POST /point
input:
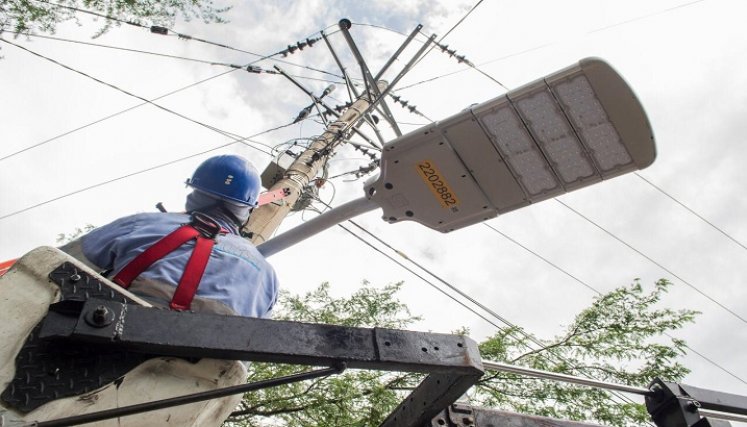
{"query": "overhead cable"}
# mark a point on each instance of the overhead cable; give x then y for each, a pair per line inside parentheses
(155, 29)
(48, 140)
(428, 282)
(674, 199)
(149, 169)
(596, 291)
(247, 67)
(439, 278)
(490, 61)
(117, 88)
(658, 264)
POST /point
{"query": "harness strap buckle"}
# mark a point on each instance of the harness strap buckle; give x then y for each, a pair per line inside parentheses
(206, 225)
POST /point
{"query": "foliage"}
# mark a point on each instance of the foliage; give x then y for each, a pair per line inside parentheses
(63, 238)
(32, 16)
(620, 338)
(353, 398)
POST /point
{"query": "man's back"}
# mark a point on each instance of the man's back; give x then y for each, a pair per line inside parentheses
(236, 274)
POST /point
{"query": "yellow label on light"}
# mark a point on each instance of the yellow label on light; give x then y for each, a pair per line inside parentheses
(437, 184)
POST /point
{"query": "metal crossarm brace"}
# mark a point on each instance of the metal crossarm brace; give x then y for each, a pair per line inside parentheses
(351, 88)
(399, 51)
(368, 78)
(452, 362)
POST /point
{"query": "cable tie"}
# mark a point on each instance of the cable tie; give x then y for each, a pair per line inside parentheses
(155, 29)
(253, 69)
(188, 37)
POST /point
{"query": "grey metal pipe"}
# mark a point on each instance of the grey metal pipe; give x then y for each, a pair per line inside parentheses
(503, 367)
(723, 415)
(401, 74)
(320, 223)
(391, 60)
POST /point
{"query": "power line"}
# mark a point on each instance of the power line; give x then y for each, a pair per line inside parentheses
(46, 141)
(210, 127)
(547, 261)
(439, 278)
(543, 45)
(126, 49)
(149, 169)
(411, 271)
(247, 67)
(690, 285)
(555, 266)
(438, 44)
(144, 103)
(679, 6)
(164, 31)
(727, 235)
(469, 12)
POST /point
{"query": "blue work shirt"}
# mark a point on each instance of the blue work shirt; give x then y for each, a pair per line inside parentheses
(236, 275)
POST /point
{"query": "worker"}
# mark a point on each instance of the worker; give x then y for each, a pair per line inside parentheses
(195, 260)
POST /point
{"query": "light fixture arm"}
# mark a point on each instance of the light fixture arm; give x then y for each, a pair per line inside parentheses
(318, 224)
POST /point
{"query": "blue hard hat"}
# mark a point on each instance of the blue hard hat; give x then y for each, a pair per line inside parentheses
(229, 177)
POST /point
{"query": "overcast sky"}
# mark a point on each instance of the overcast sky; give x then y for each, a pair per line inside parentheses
(684, 59)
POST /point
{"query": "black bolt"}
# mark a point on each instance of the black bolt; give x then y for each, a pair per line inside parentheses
(99, 315)
(693, 406)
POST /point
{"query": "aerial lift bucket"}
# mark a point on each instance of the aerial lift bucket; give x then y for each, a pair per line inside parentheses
(29, 386)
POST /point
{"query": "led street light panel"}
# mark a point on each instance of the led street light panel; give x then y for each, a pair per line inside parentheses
(571, 129)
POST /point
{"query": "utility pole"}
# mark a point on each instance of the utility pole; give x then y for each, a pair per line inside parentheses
(267, 218)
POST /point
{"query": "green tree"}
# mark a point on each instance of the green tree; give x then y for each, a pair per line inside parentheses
(622, 337)
(30, 16)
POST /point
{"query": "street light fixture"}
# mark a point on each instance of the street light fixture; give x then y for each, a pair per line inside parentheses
(571, 129)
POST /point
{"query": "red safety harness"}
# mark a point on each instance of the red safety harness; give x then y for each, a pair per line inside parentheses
(205, 230)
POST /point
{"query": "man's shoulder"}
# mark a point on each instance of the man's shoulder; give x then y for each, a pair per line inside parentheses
(136, 221)
(159, 216)
(144, 218)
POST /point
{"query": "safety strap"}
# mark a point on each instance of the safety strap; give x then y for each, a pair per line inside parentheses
(204, 230)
